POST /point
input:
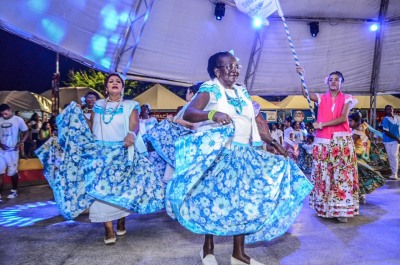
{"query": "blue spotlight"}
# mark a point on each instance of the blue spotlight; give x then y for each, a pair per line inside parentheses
(257, 23)
(374, 27)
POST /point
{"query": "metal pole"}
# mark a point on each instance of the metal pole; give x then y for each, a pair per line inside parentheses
(377, 61)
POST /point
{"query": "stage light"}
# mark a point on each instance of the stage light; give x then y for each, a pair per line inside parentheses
(314, 28)
(257, 22)
(374, 27)
(219, 10)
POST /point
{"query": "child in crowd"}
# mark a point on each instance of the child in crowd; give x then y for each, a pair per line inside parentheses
(306, 156)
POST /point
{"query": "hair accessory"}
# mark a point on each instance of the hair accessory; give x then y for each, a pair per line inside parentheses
(233, 54)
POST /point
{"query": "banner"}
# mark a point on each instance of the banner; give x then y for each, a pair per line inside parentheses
(256, 8)
(270, 116)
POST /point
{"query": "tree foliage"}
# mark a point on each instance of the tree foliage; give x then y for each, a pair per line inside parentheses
(95, 79)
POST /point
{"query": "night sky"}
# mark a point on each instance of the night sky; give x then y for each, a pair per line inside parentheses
(28, 66)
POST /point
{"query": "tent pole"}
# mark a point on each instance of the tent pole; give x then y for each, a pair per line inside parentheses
(135, 29)
(377, 61)
(55, 88)
(255, 55)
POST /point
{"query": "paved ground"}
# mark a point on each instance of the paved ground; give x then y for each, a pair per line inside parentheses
(32, 232)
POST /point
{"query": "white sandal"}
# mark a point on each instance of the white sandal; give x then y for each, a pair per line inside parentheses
(208, 260)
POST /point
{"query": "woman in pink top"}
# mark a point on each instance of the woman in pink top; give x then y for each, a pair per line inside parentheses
(334, 173)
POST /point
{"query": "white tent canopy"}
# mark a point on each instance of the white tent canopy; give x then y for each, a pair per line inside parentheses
(25, 101)
(180, 35)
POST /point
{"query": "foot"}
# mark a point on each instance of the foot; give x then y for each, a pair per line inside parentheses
(239, 262)
(13, 194)
(208, 259)
(394, 177)
(121, 230)
(342, 219)
(110, 241)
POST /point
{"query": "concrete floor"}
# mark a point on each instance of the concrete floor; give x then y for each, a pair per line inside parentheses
(32, 232)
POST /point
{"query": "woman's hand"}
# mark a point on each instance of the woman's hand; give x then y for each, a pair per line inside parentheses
(221, 118)
(317, 125)
(129, 140)
(281, 150)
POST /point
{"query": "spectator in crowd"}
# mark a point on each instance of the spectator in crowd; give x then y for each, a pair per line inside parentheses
(190, 93)
(288, 139)
(391, 139)
(297, 132)
(13, 132)
(88, 103)
(44, 133)
(35, 119)
(305, 161)
(146, 122)
(276, 133)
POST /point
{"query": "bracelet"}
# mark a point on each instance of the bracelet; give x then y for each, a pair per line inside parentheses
(320, 125)
(211, 114)
(132, 133)
(273, 142)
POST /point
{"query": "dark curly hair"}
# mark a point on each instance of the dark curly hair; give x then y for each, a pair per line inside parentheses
(213, 62)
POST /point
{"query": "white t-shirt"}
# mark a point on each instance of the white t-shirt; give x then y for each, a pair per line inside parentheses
(10, 129)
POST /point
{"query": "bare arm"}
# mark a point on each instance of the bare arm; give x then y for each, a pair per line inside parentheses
(24, 137)
(195, 111)
(391, 135)
(313, 96)
(266, 136)
(342, 118)
(133, 127)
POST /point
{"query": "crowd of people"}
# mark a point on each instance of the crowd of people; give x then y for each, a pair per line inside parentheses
(217, 167)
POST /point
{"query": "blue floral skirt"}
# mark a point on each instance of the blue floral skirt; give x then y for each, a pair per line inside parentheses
(233, 191)
(89, 170)
(163, 137)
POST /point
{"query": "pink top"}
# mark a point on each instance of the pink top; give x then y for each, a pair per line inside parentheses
(329, 109)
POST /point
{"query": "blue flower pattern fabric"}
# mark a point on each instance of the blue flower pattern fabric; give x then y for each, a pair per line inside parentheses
(224, 187)
(90, 170)
(236, 190)
(66, 176)
(163, 137)
(51, 154)
(133, 186)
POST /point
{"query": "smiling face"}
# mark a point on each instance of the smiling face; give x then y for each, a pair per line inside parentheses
(227, 71)
(335, 82)
(114, 85)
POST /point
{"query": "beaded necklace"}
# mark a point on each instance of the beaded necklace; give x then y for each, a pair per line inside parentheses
(236, 102)
(112, 113)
